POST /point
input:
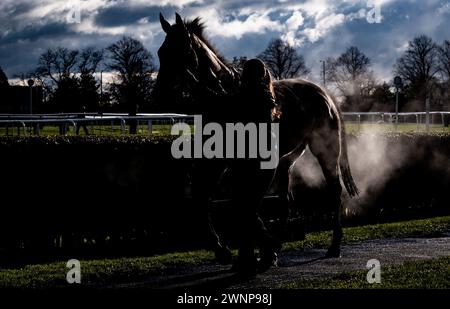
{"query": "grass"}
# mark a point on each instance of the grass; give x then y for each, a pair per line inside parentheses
(414, 228)
(352, 127)
(164, 129)
(100, 271)
(114, 130)
(106, 271)
(429, 274)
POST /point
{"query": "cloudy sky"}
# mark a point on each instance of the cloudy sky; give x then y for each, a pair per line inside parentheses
(318, 28)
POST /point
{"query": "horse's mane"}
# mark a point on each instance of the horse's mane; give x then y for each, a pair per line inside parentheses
(197, 27)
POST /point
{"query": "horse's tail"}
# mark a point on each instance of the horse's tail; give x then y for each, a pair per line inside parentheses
(344, 165)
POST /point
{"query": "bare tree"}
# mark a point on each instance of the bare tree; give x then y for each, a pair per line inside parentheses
(3, 79)
(353, 62)
(444, 63)
(419, 65)
(283, 60)
(444, 59)
(57, 71)
(351, 76)
(348, 67)
(4, 85)
(57, 64)
(133, 64)
(68, 77)
(89, 61)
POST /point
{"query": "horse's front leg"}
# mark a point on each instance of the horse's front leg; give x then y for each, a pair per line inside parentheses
(203, 176)
(221, 251)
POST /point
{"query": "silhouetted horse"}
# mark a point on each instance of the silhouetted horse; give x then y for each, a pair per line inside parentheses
(198, 80)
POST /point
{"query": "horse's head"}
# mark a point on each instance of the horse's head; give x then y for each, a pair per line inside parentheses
(178, 61)
(188, 65)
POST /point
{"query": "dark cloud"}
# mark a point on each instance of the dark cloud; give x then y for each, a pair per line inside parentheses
(122, 15)
(8, 13)
(18, 8)
(32, 33)
(25, 55)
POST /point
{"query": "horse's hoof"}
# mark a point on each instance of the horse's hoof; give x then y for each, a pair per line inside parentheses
(267, 261)
(223, 255)
(333, 253)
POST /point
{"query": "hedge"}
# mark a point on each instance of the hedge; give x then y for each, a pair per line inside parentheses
(81, 191)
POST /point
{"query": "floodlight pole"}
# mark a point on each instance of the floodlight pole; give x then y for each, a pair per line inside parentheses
(30, 84)
(101, 87)
(396, 108)
(427, 110)
(398, 83)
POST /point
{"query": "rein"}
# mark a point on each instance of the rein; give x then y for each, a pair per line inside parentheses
(223, 78)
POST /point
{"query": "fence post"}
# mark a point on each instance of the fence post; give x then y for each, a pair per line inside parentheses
(417, 121)
(24, 128)
(443, 119)
(359, 122)
(74, 126)
(122, 126)
(150, 127)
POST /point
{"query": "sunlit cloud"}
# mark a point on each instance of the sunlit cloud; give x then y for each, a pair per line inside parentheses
(317, 28)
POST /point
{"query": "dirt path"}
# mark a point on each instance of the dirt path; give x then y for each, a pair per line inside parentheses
(305, 264)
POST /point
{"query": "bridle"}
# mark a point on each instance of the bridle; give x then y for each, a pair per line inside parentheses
(212, 75)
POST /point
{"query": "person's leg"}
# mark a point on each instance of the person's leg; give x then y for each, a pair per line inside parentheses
(250, 184)
(245, 199)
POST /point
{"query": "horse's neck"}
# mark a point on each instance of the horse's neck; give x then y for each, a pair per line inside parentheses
(223, 72)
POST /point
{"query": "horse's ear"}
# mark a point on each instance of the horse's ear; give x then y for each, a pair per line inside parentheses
(164, 23)
(179, 20)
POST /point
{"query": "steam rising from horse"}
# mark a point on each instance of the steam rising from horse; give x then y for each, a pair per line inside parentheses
(199, 80)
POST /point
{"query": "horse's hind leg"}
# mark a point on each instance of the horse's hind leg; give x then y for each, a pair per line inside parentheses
(279, 185)
(221, 251)
(326, 149)
(280, 181)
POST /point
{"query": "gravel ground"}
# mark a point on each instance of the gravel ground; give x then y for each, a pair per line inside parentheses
(303, 264)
